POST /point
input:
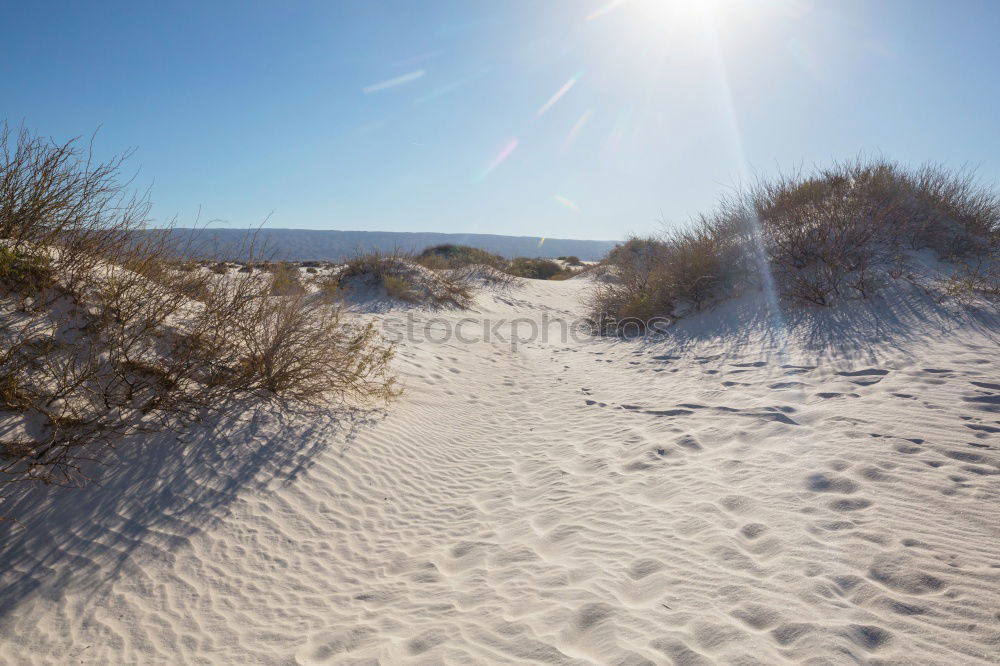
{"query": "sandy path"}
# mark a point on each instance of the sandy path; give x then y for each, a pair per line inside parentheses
(566, 502)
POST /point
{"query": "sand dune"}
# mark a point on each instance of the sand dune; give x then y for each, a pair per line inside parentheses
(730, 495)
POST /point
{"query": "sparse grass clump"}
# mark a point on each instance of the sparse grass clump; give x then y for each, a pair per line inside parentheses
(840, 233)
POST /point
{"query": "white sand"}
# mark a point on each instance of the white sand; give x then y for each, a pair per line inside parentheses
(692, 501)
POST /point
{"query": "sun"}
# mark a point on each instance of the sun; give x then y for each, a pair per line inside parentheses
(658, 10)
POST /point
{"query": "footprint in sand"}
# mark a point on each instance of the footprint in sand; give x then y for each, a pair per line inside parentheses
(869, 636)
(899, 573)
(828, 483)
(865, 377)
(787, 385)
(850, 504)
(993, 399)
(690, 443)
(668, 412)
(987, 385)
(772, 416)
(753, 530)
(982, 428)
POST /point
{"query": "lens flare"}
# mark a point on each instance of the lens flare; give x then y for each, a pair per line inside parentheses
(504, 153)
(446, 89)
(392, 83)
(423, 57)
(576, 129)
(558, 95)
(566, 202)
(611, 6)
(621, 127)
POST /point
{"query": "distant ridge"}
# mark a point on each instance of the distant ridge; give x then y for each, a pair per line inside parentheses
(334, 245)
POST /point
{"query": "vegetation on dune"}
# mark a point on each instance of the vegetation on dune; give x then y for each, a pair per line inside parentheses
(537, 269)
(402, 278)
(450, 256)
(285, 280)
(24, 272)
(840, 233)
(104, 335)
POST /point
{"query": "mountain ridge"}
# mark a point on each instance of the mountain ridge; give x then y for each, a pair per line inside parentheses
(336, 245)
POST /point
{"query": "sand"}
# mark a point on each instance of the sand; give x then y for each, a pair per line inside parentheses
(748, 491)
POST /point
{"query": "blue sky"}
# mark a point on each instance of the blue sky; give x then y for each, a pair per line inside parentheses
(571, 118)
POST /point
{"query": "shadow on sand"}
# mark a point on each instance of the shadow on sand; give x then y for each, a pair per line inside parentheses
(155, 495)
(856, 331)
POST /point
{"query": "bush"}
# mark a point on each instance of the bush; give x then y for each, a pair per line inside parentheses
(329, 288)
(974, 279)
(536, 269)
(402, 278)
(449, 256)
(123, 339)
(841, 233)
(302, 350)
(399, 288)
(24, 271)
(285, 280)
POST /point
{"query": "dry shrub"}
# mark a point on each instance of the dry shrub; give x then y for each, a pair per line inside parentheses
(122, 338)
(402, 278)
(399, 288)
(840, 233)
(467, 266)
(972, 280)
(449, 256)
(24, 272)
(537, 269)
(285, 280)
(303, 350)
(329, 288)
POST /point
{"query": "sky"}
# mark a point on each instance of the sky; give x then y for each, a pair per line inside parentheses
(556, 118)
